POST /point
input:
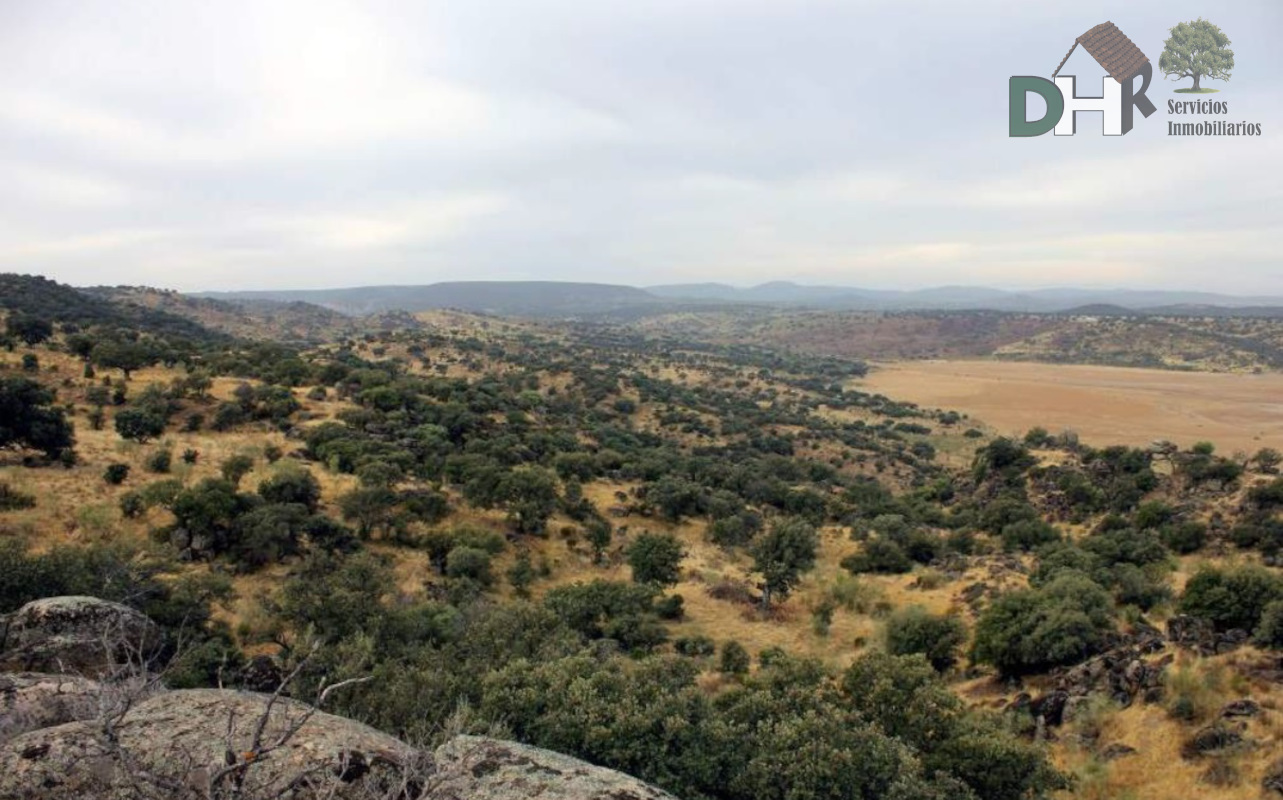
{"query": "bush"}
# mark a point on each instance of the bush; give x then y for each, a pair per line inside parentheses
(235, 468)
(12, 500)
(521, 575)
(470, 563)
(190, 456)
(672, 607)
(139, 424)
(1231, 597)
(31, 419)
(1193, 694)
(160, 461)
(1028, 535)
(1185, 537)
(656, 559)
(1034, 630)
(611, 610)
(132, 505)
(115, 474)
(1269, 631)
(879, 556)
(734, 659)
(695, 646)
(913, 630)
(292, 486)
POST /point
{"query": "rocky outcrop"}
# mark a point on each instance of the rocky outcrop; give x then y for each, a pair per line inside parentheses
(1272, 782)
(475, 768)
(183, 742)
(1193, 633)
(196, 738)
(1125, 673)
(31, 701)
(81, 635)
(1214, 738)
(124, 737)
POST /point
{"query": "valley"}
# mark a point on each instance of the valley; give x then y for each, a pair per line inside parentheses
(778, 546)
(1103, 405)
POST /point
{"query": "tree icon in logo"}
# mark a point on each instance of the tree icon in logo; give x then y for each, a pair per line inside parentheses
(1195, 50)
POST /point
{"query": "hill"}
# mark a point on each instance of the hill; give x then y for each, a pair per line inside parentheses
(517, 298)
(968, 298)
(290, 322)
(1094, 334)
(50, 300)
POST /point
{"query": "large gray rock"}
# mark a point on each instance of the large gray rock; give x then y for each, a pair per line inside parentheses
(477, 768)
(71, 634)
(30, 701)
(178, 743)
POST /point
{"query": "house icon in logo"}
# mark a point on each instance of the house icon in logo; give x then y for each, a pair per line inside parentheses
(1118, 56)
(1111, 48)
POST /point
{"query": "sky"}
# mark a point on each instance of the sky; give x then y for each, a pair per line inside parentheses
(267, 144)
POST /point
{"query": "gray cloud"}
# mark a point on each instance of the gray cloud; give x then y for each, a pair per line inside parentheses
(324, 143)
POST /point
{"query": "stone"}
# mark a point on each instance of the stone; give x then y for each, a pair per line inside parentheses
(1241, 708)
(182, 737)
(72, 634)
(30, 701)
(261, 674)
(1273, 779)
(1116, 751)
(478, 768)
(1050, 707)
(1213, 738)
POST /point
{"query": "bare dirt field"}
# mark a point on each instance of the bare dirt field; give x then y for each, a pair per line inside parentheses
(1105, 405)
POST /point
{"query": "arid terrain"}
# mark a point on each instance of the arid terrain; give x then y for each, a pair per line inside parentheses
(1103, 405)
(412, 498)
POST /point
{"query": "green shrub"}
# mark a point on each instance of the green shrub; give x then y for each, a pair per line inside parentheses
(521, 575)
(695, 646)
(1231, 597)
(734, 659)
(878, 556)
(296, 485)
(132, 505)
(1185, 537)
(115, 474)
(160, 461)
(656, 559)
(139, 424)
(471, 563)
(1269, 631)
(671, 607)
(236, 467)
(913, 630)
(1033, 630)
(1028, 534)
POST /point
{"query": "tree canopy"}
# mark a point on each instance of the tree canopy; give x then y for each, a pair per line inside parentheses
(1196, 50)
(29, 419)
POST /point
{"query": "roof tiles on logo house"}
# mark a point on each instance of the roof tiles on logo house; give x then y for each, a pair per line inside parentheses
(1111, 48)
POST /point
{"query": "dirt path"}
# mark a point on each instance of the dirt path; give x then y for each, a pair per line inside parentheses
(1105, 405)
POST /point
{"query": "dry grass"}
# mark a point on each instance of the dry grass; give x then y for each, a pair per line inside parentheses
(1105, 405)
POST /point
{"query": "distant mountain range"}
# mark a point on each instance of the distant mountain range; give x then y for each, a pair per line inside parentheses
(960, 298)
(567, 299)
(520, 298)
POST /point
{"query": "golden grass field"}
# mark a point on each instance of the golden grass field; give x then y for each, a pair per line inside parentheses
(1104, 405)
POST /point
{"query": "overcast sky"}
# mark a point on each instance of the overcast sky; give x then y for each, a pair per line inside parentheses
(279, 144)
